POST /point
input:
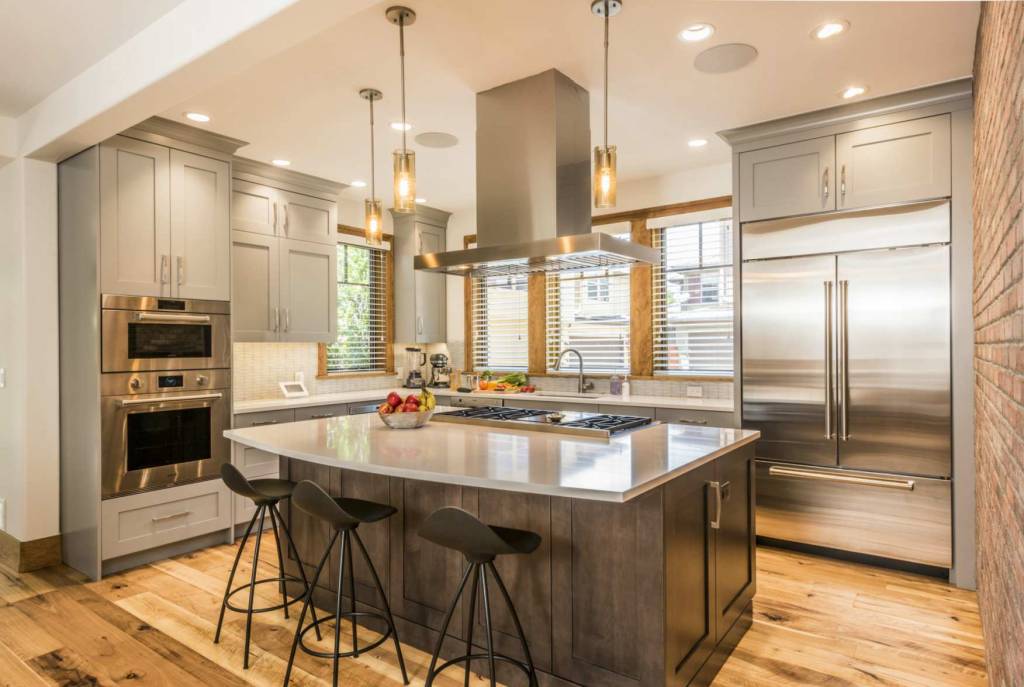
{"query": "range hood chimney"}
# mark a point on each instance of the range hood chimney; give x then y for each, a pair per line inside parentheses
(533, 186)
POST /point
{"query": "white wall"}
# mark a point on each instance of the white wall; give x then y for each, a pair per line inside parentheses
(29, 443)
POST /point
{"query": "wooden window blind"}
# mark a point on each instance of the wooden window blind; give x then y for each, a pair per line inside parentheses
(589, 310)
(500, 316)
(362, 311)
(693, 298)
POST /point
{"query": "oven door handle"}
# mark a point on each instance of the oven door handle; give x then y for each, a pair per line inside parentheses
(169, 399)
(167, 317)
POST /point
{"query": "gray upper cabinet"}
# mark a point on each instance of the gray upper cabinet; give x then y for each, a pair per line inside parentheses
(200, 234)
(420, 297)
(135, 218)
(894, 163)
(255, 304)
(253, 207)
(308, 218)
(309, 291)
(792, 179)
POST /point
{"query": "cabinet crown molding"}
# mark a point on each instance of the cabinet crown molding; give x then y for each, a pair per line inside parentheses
(170, 133)
(290, 180)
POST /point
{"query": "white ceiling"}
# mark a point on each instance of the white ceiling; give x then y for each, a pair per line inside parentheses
(303, 104)
(46, 43)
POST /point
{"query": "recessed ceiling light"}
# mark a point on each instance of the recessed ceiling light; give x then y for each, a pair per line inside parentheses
(829, 29)
(401, 126)
(696, 32)
(281, 163)
(853, 91)
(358, 183)
(697, 142)
(421, 200)
(197, 116)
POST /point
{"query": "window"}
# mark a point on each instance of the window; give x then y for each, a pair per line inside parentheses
(589, 310)
(693, 299)
(500, 320)
(362, 311)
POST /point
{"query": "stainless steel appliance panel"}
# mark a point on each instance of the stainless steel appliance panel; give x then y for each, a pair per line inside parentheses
(156, 440)
(894, 516)
(899, 225)
(142, 333)
(894, 361)
(788, 378)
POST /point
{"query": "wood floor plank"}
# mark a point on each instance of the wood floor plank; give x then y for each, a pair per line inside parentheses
(16, 673)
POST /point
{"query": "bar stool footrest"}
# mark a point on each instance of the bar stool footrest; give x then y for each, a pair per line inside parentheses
(347, 654)
(522, 665)
(267, 609)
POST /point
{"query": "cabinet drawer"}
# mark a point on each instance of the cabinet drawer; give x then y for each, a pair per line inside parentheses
(145, 521)
(364, 408)
(321, 412)
(635, 411)
(470, 402)
(894, 516)
(551, 405)
(267, 417)
(695, 417)
(253, 463)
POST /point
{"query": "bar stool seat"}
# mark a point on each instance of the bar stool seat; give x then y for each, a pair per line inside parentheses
(343, 515)
(266, 494)
(480, 543)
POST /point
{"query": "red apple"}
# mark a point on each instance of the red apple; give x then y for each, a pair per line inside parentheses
(412, 398)
(400, 409)
(385, 409)
(394, 400)
(411, 407)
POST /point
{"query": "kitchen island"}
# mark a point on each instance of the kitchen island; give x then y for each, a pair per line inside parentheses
(646, 571)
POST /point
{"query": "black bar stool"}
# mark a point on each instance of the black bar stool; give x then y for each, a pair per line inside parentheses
(265, 493)
(344, 516)
(456, 529)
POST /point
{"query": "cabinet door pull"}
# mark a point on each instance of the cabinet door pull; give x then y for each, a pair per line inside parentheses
(842, 183)
(163, 269)
(321, 416)
(275, 217)
(824, 180)
(277, 319)
(161, 518)
(287, 319)
(419, 324)
(716, 487)
(263, 422)
(284, 207)
(684, 421)
(181, 270)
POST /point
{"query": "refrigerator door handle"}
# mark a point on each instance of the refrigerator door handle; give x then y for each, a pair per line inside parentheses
(844, 363)
(829, 390)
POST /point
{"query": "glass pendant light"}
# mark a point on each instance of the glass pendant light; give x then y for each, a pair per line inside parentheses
(604, 155)
(374, 221)
(404, 159)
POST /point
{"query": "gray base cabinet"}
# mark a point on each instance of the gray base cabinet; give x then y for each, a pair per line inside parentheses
(655, 591)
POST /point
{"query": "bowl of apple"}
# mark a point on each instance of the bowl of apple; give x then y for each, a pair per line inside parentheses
(407, 413)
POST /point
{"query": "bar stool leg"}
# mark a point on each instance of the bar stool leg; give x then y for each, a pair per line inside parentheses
(280, 562)
(302, 568)
(252, 586)
(306, 605)
(337, 605)
(515, 620)
(472, 618)
(231, 577)
(487, 623)
(384, 600)
(352, 592)
(444, 627)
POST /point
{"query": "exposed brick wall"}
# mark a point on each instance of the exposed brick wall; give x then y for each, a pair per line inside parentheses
(999, 333)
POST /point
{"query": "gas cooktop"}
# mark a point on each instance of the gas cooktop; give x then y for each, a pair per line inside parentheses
(563, 422)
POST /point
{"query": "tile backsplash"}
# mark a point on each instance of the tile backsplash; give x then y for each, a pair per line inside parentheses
(258, 367)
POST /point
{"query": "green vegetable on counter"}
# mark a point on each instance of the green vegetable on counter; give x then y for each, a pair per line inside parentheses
(514, 379)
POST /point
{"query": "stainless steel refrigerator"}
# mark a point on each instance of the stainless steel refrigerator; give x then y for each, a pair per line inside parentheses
(846, 331)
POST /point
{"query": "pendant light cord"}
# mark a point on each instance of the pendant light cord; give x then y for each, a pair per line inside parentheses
(401, 52)
(606, 19)
(373, 168)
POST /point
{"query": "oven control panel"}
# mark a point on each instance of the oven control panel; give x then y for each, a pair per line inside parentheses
(131, 383)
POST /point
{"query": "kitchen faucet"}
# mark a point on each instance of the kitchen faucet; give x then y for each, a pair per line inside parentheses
(583, 384)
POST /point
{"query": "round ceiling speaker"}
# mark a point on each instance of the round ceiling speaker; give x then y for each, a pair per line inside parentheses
(436, 139)
(725, 58)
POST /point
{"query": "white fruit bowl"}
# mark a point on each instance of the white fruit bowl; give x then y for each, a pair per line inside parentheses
(405, 420)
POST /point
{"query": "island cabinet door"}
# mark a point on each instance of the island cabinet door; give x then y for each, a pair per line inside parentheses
(608, 591)
(734, 537)
(527, 579)
(424, 576)
(375, 536)
(311, 535)
(690, 635)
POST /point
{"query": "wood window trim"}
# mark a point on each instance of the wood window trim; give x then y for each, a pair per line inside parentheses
(389, 318)
(641, 322)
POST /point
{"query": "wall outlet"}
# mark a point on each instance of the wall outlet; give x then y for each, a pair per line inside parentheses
(694, 391)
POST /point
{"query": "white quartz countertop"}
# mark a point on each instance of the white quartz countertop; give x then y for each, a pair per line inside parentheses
(708, 404)
(521, 460)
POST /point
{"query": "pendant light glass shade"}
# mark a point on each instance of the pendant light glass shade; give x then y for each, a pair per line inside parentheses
(405, 181)
(374, 222)
(604, 176)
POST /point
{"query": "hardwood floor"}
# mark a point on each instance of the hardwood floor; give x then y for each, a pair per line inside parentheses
(816, 622)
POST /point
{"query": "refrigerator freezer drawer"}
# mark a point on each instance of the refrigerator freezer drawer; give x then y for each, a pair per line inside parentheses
(894, 516)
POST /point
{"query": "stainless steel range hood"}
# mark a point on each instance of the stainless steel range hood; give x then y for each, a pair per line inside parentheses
(533, 186)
